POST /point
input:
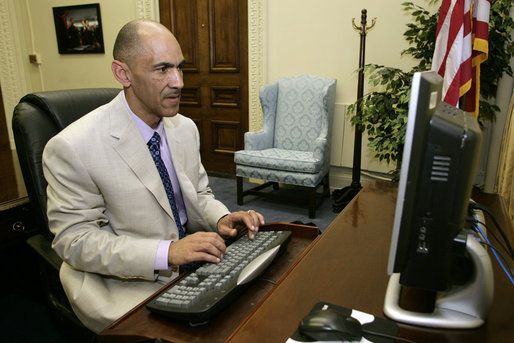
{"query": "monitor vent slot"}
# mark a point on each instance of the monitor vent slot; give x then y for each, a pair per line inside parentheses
(440, 168)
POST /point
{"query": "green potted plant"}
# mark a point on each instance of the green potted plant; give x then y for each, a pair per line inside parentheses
(384, 110)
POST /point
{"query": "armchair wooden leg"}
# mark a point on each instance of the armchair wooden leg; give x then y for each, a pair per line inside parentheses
(312, 203)
(326, 186)
(239, 186)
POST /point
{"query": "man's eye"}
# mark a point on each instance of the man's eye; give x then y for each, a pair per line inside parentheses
(163, 69)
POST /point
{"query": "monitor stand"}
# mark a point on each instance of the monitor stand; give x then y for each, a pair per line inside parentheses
(461, 307)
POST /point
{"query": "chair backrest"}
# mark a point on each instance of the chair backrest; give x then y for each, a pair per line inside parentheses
(302, 113)
(37, 118)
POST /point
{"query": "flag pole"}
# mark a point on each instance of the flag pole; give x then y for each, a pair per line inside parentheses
(344, 195)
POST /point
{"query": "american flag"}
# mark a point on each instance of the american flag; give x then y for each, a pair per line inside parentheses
(461, 45)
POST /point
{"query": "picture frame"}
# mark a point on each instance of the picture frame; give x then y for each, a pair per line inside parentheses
(79, 29)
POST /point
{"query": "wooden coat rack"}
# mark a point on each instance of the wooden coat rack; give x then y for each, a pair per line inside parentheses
(344, 195)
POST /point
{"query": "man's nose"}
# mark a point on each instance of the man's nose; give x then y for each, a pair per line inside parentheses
(176, 79)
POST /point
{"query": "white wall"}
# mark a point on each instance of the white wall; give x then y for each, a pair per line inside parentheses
(60, 71)
(317, 37)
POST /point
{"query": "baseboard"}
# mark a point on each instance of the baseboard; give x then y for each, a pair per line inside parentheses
(341, 177)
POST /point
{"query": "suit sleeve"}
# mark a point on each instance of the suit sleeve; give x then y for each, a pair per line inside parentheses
(77, 217)
(211, 208)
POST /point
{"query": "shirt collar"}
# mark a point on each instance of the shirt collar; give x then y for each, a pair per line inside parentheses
(143, 127)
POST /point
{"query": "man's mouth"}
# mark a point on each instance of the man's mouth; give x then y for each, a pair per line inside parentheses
(173, 96)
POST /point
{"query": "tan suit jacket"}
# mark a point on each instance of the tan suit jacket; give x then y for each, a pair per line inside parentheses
(108, 208)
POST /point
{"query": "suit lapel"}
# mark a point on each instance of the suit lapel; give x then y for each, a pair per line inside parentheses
(129, 143)
(177, 150)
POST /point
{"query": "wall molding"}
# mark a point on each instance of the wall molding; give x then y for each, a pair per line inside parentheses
(256, 10)
(147, 9)
(11, 77)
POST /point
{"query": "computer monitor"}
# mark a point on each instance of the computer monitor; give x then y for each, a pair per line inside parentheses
(440, 157)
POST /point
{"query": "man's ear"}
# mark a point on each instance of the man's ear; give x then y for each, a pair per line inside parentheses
(121, 72)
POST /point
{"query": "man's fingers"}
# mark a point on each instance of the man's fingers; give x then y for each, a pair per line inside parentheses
(215, 248)
(255, 219)
(208, 242)
(205, 257)
(200, 246)
(231, 223)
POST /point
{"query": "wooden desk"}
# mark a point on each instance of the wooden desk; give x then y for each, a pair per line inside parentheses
(346, 266)
(140, 324)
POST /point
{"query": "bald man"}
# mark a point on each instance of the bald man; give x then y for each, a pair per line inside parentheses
(115, 227)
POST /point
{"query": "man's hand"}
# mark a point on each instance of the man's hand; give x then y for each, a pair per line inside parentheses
(228, 226)
(200, 246)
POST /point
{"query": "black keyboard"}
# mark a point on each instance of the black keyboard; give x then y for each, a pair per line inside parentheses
(203, 292)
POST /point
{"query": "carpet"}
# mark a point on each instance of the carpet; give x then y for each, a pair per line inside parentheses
(224, 189)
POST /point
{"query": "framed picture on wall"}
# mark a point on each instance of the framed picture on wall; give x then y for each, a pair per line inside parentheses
(79, 29)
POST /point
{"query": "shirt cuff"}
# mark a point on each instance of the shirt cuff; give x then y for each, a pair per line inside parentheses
(161, 257)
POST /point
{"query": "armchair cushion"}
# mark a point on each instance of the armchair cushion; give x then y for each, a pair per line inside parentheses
(280, 159)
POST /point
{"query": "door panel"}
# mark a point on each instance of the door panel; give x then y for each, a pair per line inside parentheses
(213, 35)
(224, 35)
(185, 26)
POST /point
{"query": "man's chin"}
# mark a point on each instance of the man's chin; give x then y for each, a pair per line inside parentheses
(170, 113)
(170, 110)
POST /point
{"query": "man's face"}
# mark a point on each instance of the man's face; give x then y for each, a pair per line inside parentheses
(156, 78)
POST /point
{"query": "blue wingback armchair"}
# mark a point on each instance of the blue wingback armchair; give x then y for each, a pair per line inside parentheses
(293, 146)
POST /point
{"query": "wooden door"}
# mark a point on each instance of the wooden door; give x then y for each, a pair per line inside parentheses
(213, 35)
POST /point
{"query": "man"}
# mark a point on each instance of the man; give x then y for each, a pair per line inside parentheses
(116, 228)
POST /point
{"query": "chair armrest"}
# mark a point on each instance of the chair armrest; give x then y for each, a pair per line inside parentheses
(258, 140)
(42, 244)
(320, 148)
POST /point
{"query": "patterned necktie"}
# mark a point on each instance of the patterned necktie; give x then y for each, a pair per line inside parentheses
(153, 145)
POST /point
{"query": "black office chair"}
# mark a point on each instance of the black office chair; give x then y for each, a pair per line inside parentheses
(36, 119)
